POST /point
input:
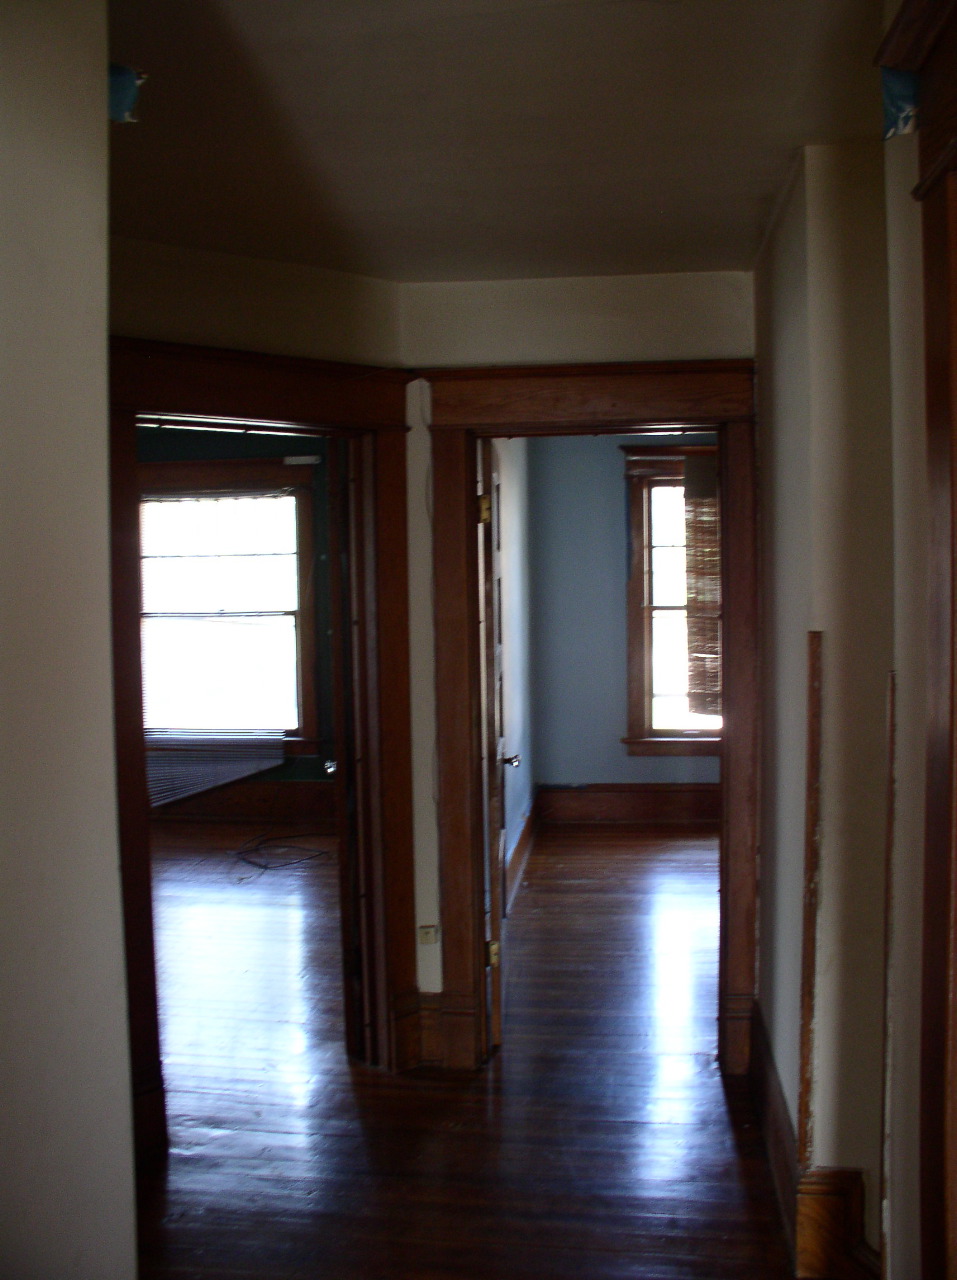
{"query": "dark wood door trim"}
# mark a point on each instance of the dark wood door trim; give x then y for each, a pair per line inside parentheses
(586, 400)
(923, 38)
(366, 406)
(150, 1139)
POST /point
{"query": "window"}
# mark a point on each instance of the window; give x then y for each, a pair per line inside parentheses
(226, 643)
(674, 599)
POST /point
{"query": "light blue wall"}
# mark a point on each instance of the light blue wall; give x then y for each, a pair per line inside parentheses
(519, 784)
(578, 580)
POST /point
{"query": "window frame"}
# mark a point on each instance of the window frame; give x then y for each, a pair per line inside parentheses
(647, 465)
(249, 477)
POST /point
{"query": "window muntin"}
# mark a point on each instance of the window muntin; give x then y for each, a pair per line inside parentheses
(221, 627)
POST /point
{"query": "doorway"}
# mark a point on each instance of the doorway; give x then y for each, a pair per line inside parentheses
(474, 404)
(600, 630)
(361, 414)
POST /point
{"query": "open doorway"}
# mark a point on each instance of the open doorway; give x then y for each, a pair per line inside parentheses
(240, 644)
(346, 506)
(470, 406)
(600, 629)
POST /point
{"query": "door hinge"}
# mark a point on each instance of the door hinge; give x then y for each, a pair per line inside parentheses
(485, 508)
(492, 952)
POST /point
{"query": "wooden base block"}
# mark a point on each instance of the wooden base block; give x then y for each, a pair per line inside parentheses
(830, 1242)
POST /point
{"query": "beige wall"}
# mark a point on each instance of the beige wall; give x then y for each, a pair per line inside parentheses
(658, 317)
(66, 1192)
(784, 421)
(910, 661)
(852, 603)
(222, 300)
(823, 292)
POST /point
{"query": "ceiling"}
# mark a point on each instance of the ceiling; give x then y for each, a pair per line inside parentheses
(481, 139)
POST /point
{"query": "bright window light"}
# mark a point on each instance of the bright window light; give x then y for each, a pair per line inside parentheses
(220, 600)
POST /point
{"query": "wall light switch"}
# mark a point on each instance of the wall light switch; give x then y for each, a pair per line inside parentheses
(428, 933)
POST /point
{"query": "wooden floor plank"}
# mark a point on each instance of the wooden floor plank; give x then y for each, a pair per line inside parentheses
(601, 1143)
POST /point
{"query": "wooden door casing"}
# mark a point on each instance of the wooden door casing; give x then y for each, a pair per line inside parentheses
(472, 404)
(365, 407)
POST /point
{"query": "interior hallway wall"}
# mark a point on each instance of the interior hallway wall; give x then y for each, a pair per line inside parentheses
(822, 289)
(170, 294)
(784, 427)
(66, 1194)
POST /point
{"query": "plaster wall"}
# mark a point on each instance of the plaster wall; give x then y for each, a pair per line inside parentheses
(696, 315)
(66, 1197)
(784, 422)
(826, 459)
(171, 294)
(852, 603)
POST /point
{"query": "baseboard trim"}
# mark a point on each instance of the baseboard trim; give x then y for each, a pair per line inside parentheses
(647, 804)
(515, 866)
(776, 1126)
(822, 1209)
(259, 800)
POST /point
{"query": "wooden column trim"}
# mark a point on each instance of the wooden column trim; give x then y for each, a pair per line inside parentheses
(812, 864)
(740, 750)
(397, 879)
(149, 1100)
(458, 742)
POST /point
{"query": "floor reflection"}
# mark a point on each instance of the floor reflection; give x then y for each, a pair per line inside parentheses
(601, 1141)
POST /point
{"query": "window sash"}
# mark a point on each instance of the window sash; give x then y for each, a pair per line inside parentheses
(171, 481)
(701, 609)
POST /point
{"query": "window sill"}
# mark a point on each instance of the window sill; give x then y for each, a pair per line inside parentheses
(673, 746)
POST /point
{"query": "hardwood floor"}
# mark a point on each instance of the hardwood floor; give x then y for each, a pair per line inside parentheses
(600, 1144)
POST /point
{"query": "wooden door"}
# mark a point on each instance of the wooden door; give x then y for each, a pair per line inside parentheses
(493, 737)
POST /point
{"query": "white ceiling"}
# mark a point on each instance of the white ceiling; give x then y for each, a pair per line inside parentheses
(481, 139)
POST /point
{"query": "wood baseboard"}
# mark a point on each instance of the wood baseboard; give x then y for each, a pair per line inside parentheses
(822, 1209)
(776, 1125)
(515, 866)
(299, 800)
(645, 804)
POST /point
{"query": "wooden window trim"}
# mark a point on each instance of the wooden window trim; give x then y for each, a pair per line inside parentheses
(646, 465)
(245, 476)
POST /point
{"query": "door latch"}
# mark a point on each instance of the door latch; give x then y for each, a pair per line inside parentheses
(492, 954)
